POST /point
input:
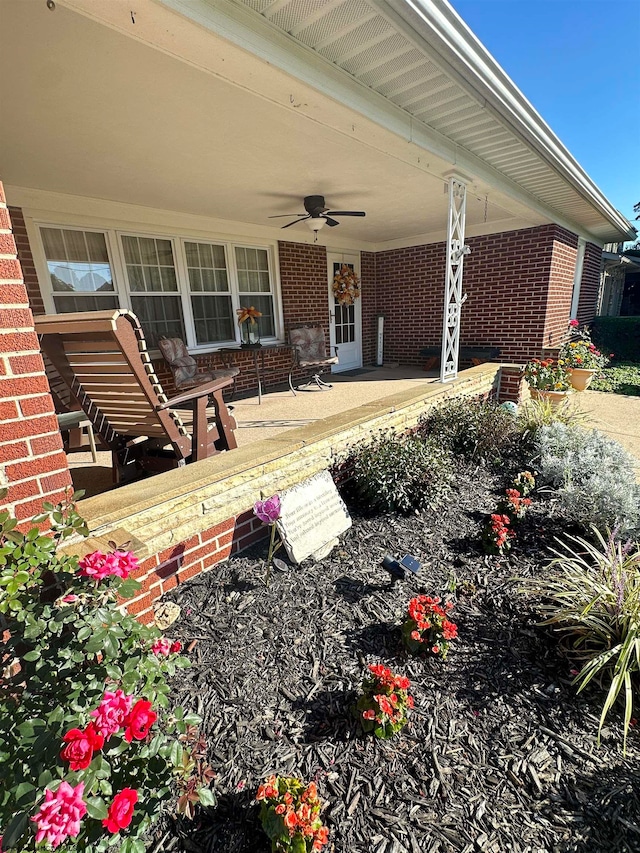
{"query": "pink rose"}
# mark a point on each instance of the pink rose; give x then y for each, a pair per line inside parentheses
(127, 563)
(121, 810)
(99, 566)
(574, 324)
(80, 746)
(112, 713)
(60, 814)
(161, 647)
(140, 721)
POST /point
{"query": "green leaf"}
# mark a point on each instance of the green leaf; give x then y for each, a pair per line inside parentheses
(96, 808)
(207, 797)
(24, 793)
(31, 656)
(15, 830)
(128, 588)
(175, 753)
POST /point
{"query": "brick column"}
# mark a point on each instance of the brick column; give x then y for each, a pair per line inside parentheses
(32, 462)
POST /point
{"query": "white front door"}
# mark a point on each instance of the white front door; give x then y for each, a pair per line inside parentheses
(345, 321)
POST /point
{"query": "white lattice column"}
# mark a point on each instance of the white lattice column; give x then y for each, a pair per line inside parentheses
(453, 298)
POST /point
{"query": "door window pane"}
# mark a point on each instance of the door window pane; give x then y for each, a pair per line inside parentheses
(78, 263)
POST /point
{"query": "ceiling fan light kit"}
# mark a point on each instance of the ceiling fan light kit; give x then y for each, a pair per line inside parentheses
(317, 215)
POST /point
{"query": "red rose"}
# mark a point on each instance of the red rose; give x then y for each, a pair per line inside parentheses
(121, 810)
(175, 647)
(140, 721)
(81, 746)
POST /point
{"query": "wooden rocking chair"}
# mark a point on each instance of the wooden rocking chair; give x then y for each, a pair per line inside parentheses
(102, 358)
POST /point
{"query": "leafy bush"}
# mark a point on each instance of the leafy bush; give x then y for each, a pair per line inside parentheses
(400, 473)
(88, 747)
(592, 595)
(618, 335)
(383, 708)
(593, 476)
(620, 379)
(472, 429)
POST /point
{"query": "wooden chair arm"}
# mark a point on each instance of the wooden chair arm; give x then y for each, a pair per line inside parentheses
(195, 393)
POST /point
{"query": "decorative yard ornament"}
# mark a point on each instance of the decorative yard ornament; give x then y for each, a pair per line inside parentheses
(510, 406)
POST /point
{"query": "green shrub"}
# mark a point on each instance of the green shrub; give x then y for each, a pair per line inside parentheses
(618, 335)
(618, 379)
(593, 476)
(473, 430)
(401, 473)
(70, 655)
(592, 596)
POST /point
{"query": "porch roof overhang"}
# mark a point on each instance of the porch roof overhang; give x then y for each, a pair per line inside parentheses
(232, 110)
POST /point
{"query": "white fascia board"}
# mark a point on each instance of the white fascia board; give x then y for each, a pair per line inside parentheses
(476, 70)
(255, 34)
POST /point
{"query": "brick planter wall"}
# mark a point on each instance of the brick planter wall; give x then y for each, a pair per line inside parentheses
(32, 463)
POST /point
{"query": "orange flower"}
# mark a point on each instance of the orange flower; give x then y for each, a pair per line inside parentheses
(251, 314)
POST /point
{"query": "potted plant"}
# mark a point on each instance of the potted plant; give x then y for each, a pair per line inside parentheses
(582, 357)
(548, 379)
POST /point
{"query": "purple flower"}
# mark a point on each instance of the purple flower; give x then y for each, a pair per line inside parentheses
(268, 511)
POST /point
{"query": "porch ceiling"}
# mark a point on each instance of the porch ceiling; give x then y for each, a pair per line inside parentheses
(218, 133)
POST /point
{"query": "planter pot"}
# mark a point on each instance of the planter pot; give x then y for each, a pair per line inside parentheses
(581, 378)
(556, 398)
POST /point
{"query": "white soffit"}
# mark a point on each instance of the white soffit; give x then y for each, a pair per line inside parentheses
(383, 46)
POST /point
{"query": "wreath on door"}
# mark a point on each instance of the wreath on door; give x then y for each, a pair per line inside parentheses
(346, 285)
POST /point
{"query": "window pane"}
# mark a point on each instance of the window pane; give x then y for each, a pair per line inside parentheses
(264, 304)
(149, 265)
(213, 318)
(207, 267)
(253, 270)
(66, 304)
(73, 265)
(159, 315)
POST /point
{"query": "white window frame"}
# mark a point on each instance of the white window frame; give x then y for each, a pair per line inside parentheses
(177, 237)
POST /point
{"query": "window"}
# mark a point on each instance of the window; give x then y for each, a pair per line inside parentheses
(254, 285)
(210, 294)
(79, 269)
(177, 287)
(153, 287)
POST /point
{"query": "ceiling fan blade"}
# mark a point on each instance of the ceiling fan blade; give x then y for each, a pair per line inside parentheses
(282, 215)
(330, 221)
(295, 222)
(347, 212)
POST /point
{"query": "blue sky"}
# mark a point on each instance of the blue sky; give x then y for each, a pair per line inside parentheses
(578, 63)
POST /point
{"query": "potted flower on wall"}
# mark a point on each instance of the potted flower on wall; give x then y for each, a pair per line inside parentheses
(581, 356)
(548, 379)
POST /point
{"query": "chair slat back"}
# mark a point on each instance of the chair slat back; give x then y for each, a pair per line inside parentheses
(103, 359)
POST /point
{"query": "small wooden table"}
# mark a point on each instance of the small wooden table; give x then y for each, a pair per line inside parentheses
(228, 355)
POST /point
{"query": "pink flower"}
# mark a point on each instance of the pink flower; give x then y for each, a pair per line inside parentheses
(60, 814)
(574, 324)
(175, 647)
(121, 810)
(161, 647)
(128, 562)
(268, 511)
(112, 713)
(68, 599)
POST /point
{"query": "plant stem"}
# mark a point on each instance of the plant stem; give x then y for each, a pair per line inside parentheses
(270, 554)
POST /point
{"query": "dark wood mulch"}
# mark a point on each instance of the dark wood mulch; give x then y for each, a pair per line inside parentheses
(500, 752)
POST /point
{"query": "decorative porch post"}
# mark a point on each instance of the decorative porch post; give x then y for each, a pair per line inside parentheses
(453, 298)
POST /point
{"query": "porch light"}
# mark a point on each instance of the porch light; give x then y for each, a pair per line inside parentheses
(315, 223)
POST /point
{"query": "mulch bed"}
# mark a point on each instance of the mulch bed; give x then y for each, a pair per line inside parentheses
(500, 752)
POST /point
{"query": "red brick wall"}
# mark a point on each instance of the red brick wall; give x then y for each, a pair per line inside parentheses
(369, 306)
(26, 260)
(518, 287)
(32, 461)
(303, 280)
(590, 283)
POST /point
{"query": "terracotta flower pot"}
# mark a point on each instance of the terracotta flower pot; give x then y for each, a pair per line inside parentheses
(581, 377)
(556, 398)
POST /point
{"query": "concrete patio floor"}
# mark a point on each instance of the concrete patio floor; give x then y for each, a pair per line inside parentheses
(616, 415)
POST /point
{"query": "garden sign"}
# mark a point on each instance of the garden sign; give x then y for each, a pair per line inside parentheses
(312, 516)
